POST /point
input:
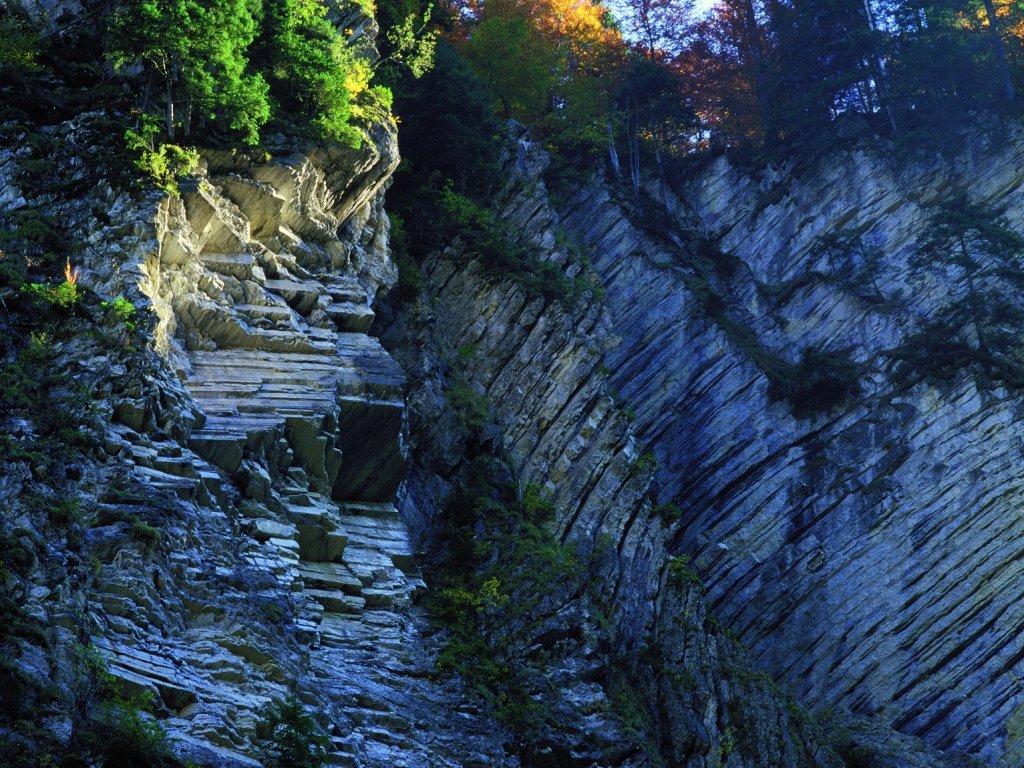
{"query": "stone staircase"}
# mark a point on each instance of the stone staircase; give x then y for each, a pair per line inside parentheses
(289, 569)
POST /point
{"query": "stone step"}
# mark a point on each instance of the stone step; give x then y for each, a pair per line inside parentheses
(237, 265)
(350, 316)
(347, 290)
(336, 576)
(213, 484)
(177, 466)
(334, 601)
(380, 597)
(273, 312)
(380, 509)
(366, 563)
(183, 487)
(222, 449)
(301, 295)
(263, 529)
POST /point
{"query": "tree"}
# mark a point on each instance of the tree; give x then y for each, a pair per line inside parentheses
(823, 55)
(313, 73)
(974, 245)
(198, 53)
(518, 65)
(998, 51)
(449, 128)
(660, 27)
(294, 740)
(550, 63)
(851, 260)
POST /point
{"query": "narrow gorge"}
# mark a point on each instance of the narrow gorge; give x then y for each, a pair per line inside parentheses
(707, 483)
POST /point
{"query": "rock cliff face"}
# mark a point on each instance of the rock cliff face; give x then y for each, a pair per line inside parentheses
(264, 478)
(265, 445)
(867, 555)
(542, 367)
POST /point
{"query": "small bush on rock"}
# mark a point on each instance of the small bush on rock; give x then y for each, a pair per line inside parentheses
(294, 739)
(820, 382)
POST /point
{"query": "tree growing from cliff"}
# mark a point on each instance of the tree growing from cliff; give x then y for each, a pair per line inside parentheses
(974, 246)
(196, 54)
(314, 75)
(294, 740)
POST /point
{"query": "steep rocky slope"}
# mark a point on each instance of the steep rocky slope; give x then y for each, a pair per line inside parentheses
(253, 499)
(232, 511)
(866, 556)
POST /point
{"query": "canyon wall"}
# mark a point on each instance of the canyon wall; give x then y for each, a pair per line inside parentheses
(866, 554)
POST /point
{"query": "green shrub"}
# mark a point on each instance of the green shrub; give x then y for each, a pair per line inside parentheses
(66, 512)
(644, 463)
(681, 575)
(669, 512)
(109, 727)
(164, 164)
(65, 294)
(410, 277)
(501, 572)
(145, 533)
(820, 382)
(470, 407)
(121, 310)
(19, 46)
(293, 740)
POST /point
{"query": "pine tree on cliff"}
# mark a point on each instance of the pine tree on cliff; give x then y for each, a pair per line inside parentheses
(974, 245)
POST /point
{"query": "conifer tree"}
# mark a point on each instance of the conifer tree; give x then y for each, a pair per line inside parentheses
(974, 245)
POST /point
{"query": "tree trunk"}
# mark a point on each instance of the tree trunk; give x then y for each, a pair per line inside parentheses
(999, 50)
(760, 75)
(878, 71)
(170, 109)
(613, 154)
(972, 298)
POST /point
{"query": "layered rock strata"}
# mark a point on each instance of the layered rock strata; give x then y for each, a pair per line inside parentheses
(244, 540)
(867, 556)
(541, 367)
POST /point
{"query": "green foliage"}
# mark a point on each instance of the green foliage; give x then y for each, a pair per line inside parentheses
(164, 164)
(669, 512)
(66, 512)
(122, 311)
(107, 724)
(411, 43)
(124, 733)
(28, 237)
(469, 406)
(502, 254)
(145, 533)
(65, 294)
(293, 738)
(973, 251)
(200, 48)
(312, 72)
(854, 262)
(448, 132)
(628, 706)
(19, 45)
(410, 276)
(820, 382)
(499, 575)
(939, 354)
(517, 64)
(643, 464)
(681, 575)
